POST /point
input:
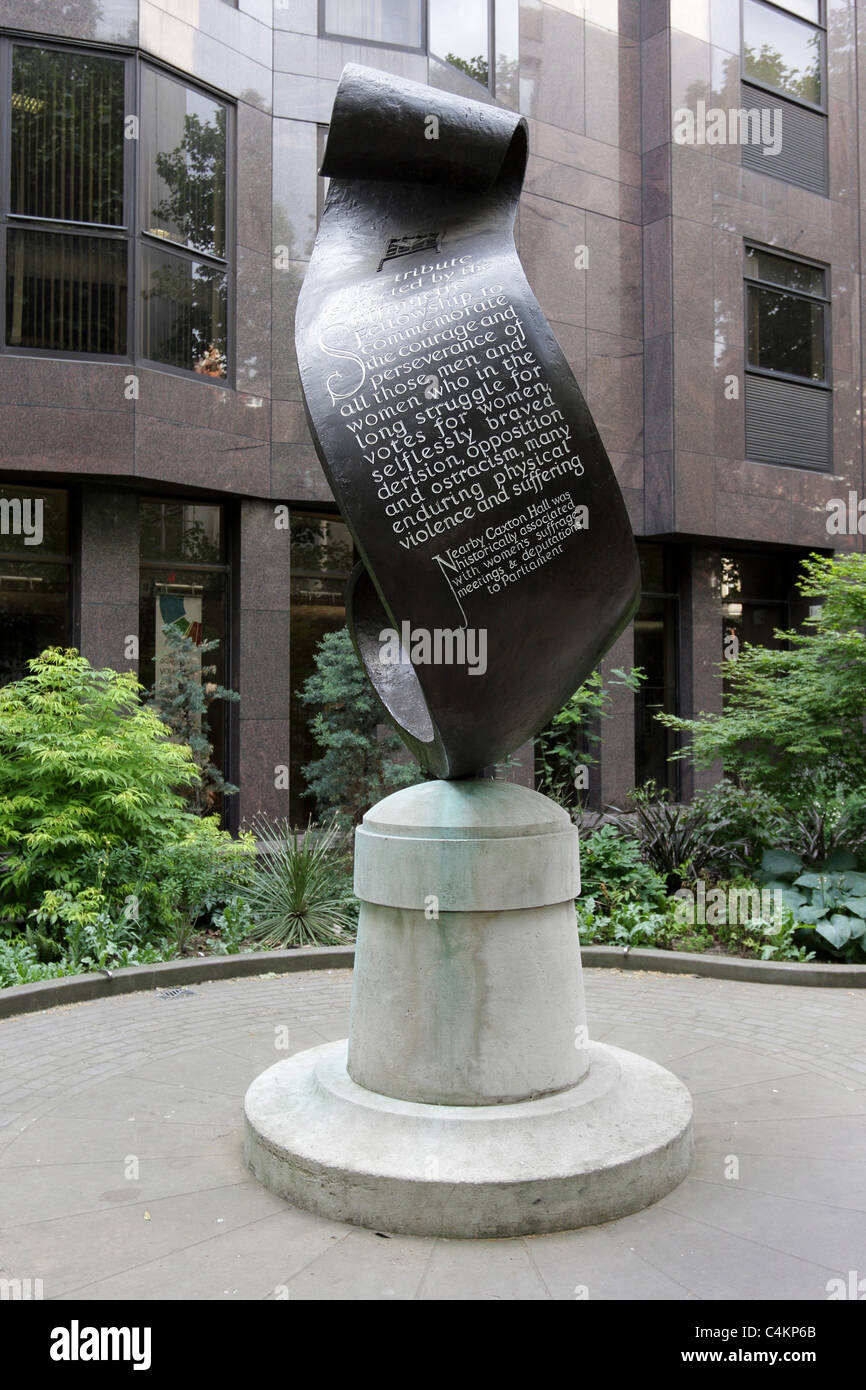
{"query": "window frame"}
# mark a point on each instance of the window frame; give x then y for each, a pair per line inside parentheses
(143, 238)
(18, 221)
(826, 383)
(130, 231)
(424, 49)
(820, 27)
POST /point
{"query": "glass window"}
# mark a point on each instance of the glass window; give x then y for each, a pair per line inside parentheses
(184, 579)
(783, 52)
(183, 154)
(66, 293)
(66, 285)
(755, 592)
(459, 35)
(395, 22)
(655, 652)
(321, 560)
(183, 312)
(67, 136)
(34, 576)
(184, 298)
(786, 327)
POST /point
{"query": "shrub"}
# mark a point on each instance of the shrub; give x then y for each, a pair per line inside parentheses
(794, 723)
(679, 842)
(356, 768)
(181, 697)
(613, 873)
(83, 767)
(299, 893)
(828, 905)
(572, 737)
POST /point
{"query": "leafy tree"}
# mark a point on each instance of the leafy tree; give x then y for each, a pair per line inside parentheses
(573, 736)
(83, 766)
(477, 68)
(182, 696)
(357, 768)
(793, 724)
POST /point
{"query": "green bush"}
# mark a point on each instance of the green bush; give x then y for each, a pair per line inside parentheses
(572, 738)
(83, 767)
(829, 906)
(679, 842)
(613, 872)
(356, 768)
(794, 722)
(299, 893)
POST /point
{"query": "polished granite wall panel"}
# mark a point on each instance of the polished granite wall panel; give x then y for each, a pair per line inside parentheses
(51, 439)
(224, 47)
(612, 88)
(264, 638)
(108, 577)
(655, 90)
(255, 187)
(285, 288)
(306, 56)
(253, 323)
(100, 21)
(298, 16)
(614, 383)
(551, 234)
(552, 65)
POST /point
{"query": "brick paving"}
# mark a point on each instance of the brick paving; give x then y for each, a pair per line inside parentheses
(122, 1177)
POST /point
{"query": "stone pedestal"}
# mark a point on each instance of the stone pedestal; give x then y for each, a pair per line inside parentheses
(469, 1100)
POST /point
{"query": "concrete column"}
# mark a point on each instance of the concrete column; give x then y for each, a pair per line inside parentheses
(264, 678)
(108, 613)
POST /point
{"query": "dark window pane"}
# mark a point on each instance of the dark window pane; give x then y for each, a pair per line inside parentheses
(779, 270)
(655, 628)
(782, 52)
(183, 321)
(33, 521)
(786, 334)
(66, 293)
(384, 21)
(320, 545)
(67, 136)
(181, 531)
(183, 153)
(196, 601)
(459, 34)
(34, 613)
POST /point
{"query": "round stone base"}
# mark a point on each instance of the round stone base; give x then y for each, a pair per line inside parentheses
(619, 1140)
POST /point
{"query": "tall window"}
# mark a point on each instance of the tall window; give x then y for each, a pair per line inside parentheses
(184, 580)
(655, 652)
(788, 396)
(66, 251)
(321, 560)
(784, 73)
(183, 221)
(35, 567)
(475, 38)
(76, 151)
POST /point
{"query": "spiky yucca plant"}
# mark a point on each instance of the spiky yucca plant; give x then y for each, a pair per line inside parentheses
(299, 893)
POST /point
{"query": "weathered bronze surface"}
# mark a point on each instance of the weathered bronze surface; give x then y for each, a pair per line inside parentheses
(492, 533)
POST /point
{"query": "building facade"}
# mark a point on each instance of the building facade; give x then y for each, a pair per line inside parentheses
(690, 225)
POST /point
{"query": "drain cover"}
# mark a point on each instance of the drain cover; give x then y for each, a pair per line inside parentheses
(173, 993)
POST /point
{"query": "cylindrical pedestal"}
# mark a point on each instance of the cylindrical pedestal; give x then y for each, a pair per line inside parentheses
(469, 1101)
(468, 987)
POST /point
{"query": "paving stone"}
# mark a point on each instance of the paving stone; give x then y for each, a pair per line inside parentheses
(779, 1081)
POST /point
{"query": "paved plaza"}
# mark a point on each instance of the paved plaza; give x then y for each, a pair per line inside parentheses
(122, 1175)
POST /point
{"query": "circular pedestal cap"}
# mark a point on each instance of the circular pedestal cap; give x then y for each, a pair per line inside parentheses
(477, 846)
